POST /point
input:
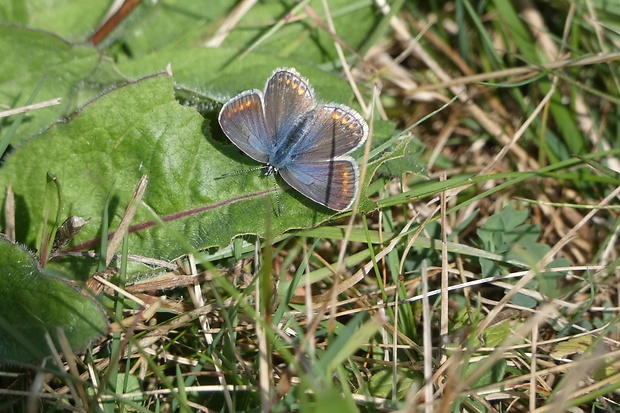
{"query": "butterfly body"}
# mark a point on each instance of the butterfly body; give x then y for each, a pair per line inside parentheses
(305, 143)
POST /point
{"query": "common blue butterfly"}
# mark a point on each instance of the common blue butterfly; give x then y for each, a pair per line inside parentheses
(306, 143)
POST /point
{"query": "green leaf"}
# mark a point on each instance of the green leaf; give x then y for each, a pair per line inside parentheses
(407, 382)
(506, 233)
(571, 347)
(492, 375)
(523, 300)
(73, 19)
(348, 340)
(140, 129)
(329, 399)
(495, 335)
(35, 303)
(411, 161)
(504, 229)
(61, 65)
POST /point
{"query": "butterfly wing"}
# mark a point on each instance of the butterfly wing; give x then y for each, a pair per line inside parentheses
(328, 132)
(243, 120)
(331, 183)
(288, 97)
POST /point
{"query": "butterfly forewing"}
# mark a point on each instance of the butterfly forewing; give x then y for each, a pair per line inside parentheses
(243, 121)
(332, 183)
(288, 96)
(330, 131)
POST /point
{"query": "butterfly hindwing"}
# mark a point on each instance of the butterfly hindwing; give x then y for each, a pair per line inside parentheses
(332, 183)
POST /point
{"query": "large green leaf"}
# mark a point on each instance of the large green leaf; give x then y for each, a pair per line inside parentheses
(34, 304)
(140, 129)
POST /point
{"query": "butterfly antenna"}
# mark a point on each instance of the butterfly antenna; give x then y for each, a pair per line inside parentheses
(240, 172)
(275, 186)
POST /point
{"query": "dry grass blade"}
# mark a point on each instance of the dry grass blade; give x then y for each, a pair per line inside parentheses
(230, 22)
(28, 108)
(130, 211)
(9, 214)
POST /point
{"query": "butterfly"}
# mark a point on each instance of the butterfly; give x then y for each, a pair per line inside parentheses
(305, 143)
